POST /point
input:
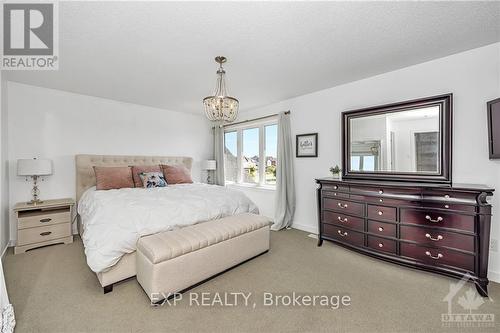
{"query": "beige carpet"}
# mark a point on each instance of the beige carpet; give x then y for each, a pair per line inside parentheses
(53, 290)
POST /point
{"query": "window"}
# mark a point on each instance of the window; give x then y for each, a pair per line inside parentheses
(250, 153)
(230, 156)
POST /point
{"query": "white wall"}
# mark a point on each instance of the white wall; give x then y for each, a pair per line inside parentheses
(473, 77)
(58, 125)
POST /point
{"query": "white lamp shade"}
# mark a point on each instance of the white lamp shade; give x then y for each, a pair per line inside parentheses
(209, 165)
(34, 167)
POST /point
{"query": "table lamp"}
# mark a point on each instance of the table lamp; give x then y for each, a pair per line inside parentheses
(209, 166)
(34, 168)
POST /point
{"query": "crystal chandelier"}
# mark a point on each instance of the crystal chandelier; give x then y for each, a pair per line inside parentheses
(220, 106)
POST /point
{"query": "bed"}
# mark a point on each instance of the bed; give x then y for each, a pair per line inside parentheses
(97, 210)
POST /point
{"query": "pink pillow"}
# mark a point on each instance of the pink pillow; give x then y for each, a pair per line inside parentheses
(108, 178)
(138, 169)
(176, 174)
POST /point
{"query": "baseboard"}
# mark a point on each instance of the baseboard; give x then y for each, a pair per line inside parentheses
(10, 243)
(306, 228)
(494, 276)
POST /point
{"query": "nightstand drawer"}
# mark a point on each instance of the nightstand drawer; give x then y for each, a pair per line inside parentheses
(43, 218)
(41, 234)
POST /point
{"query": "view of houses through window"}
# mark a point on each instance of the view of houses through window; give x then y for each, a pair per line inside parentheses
(250, 154)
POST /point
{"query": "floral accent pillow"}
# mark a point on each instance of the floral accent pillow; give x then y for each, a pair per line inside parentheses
(138, 169)
(152, 179)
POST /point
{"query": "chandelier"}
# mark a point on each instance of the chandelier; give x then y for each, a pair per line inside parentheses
(220, 106)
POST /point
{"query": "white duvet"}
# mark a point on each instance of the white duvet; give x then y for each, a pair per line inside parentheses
(114, 220)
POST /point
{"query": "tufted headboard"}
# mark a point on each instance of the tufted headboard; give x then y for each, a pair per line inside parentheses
(85, 176)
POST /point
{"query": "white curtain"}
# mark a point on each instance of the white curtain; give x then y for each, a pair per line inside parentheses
(7, 320)
(285, 186)
(219, 154)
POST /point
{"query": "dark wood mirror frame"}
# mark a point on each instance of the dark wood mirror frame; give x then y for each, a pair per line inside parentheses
(493, 128)
(443, 177)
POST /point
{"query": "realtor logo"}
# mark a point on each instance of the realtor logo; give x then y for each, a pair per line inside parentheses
(30, 36)
(470, 301)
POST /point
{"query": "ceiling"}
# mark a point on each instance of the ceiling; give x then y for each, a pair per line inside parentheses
(161, 54)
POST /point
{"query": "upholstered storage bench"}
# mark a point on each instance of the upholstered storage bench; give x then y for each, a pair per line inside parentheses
(173, 261)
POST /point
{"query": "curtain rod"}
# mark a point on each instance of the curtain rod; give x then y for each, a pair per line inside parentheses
(255, 119)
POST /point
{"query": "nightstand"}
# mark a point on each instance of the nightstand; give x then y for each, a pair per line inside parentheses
(43, 224)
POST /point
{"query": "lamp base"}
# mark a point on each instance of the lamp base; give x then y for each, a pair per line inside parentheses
(35, 192)
(35, 202)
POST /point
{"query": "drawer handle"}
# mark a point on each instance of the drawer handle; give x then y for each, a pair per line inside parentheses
(381, 200)
(380, 192)
(447, 196)
(439, 219)
(380, 212)
(334, 194)
(45, 233)
(45, 220)
(446, 206)
(380, 245)
(342, 219)
(439, 256)
(343, 234)
(341, 205)
(439, 237)
(335, 187)
(380, 229)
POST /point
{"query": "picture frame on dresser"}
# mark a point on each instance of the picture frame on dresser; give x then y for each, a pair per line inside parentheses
(493, 111)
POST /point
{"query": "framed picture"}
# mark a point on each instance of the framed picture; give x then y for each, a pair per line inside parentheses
(494, 128)
(306, 145)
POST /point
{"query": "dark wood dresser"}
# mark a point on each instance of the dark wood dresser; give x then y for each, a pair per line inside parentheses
(438, 228)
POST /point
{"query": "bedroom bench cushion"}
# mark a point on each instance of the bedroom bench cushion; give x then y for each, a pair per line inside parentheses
(174, 261)
(170, 244)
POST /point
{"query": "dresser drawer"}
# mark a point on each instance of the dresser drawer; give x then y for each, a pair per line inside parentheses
(43, 218)
(382, 229)
(344, 206)
(449, 206)
(451, 197)
(335, 188)
(436, 237)
(381, 200)
(335, 194)
(382, 190)
(437, 218)
(347, 221)
(437, 256)
(381, 213)
(40, 234)
(344, 235)
(382, 244)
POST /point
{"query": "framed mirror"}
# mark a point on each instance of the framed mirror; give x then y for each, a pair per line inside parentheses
(406, 141)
